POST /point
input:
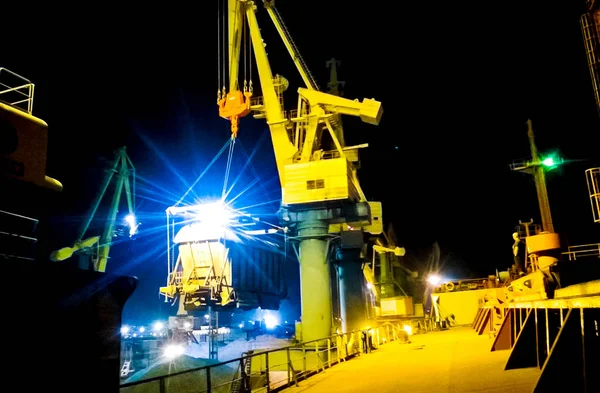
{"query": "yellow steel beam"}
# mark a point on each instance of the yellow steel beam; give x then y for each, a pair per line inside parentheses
(283, 148)
(577, 302)
(369, 110)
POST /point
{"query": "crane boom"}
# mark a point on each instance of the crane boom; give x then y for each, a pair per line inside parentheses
(283, 148)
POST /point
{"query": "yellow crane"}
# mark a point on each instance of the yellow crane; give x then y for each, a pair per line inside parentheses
(322, 201)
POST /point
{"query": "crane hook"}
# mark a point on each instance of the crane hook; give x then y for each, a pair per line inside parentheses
(233, 106)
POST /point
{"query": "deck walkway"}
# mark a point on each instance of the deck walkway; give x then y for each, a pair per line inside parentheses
(452, 361)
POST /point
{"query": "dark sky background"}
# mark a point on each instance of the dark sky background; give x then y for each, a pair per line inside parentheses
(457, 84)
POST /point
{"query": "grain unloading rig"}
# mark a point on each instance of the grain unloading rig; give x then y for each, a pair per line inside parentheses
(221, 259)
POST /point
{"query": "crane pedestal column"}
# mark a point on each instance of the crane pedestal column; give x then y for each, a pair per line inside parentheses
(351, 287)
(315, 282)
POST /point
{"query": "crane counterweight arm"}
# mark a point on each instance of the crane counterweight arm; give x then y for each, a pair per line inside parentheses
(369, 110)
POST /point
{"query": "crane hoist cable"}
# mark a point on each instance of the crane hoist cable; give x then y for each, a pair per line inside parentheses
(235, 103)
(248, 164)
(210, 164)
(228, 167)
(219, 59)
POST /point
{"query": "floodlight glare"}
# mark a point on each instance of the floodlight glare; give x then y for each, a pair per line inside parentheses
(270, 321)
(173, 350)
(434, 279)
(216, 214)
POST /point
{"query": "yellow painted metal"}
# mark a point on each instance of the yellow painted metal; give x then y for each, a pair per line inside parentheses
(400, 305)
(373, 226)
(202, 272)
(584, 289)
(370, 278)
(529, 287)
(544, 262)
(542, 242)
(314, 181)
(576, 302)
(376, 225)
(315, 285)
(28, 160)
(462, 304)
(369, 110)
(315, 111)
(308, 174)
(283, 148)
(67, 252)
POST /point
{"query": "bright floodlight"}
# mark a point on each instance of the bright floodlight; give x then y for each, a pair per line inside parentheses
(124, 329)
(270, 321)
(408, 329)
(130, 219)
(434, 279)
(142, 329)
(158, 326)
(172, 351)
(214, 213)
(132, 223)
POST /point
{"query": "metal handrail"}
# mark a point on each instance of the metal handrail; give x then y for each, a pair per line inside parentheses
(583, 250)
(24, 89)
(345, 346)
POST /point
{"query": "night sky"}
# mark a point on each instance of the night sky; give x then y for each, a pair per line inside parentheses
(457, 84)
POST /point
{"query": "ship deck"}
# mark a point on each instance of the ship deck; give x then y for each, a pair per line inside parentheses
(454, 361)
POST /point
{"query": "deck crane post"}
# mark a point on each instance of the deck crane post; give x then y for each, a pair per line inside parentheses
(322, 201)
(124, 171)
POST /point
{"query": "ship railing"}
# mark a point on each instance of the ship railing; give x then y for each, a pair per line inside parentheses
(275, 369)
(16, 90)
(583, 251)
